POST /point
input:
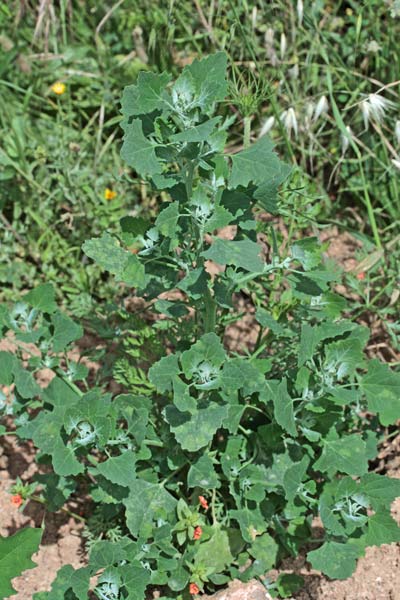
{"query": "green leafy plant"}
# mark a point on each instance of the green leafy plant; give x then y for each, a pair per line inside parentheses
(216, 466)
(15, 556)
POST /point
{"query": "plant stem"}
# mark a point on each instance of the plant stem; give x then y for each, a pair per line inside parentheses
(209, 312)
(214, 517)
(65, 510)
(247, 131)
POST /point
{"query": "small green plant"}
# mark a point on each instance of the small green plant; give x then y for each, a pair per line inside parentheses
(215, 467)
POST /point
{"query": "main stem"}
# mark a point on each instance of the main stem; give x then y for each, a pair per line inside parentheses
(210, 306)
(247, 131)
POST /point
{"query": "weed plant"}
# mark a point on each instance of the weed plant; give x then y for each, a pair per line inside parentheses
(209, 464)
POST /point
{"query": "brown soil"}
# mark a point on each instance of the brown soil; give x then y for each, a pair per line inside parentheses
(61, 541)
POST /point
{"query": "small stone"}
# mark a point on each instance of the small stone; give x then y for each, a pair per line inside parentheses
(237, 590)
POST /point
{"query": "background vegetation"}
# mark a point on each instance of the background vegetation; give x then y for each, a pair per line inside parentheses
(321, 77)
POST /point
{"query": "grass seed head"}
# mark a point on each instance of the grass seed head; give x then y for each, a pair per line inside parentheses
(283, 46)
(300, 11)
(268, 125)
(373, 108)
(396, 163)
(397, 131)
(346, 139)
(321, 108)
(289, 120)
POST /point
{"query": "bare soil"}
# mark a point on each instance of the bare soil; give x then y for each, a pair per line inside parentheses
(61, 541)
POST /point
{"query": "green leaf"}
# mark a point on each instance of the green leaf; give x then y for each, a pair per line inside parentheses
(133, 227)
(133, 272)
(182, 398)
(311, 336)
(264, 550)
(243, 254)
(42, 298)
(239, 373)
(344, 357)
(167, 220)
(61, 395)
(64, 460)
(107, 253)
(105, 492)
(146, 502)
(266, 194)
(382, 529)
(147, 95)
(196, 133)
(267, 320)
(283, 408)
(65, 331)
(179, 577)
(104, 553)
(119, 469)
(381, 490)
(251, 523)
(69, 579)
(256, 164)
(55, 490)
(202, 474)
(208, 349)
(294, 476)
(138, 152)
(203, 82)
(24, 382)
(214, 554)
(289, 583)
(346, 455)
(7, 362)
(193, 432)
(381, 386)
(15, 556)
(163, 372)
(336, 560)
(335, 507)
(221, 217)
(46, 435)
(308, 252)
(194, 284)
(135, 579)
(111, 257)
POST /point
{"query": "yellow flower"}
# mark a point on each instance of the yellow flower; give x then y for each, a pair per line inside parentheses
(109, 194)
(58, 88)
(349, 12)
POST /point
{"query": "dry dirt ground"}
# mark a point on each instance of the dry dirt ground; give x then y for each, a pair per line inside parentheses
(377, 576)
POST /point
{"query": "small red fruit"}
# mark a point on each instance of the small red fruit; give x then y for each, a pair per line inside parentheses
(361, 275)
(203, 502)
(193, 589)
(198, 532)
